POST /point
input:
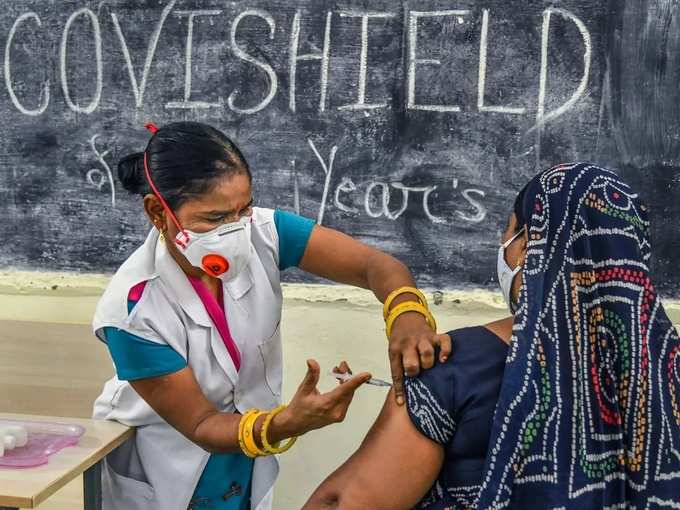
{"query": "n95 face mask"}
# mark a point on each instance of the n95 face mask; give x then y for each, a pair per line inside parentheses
(506, 275)
(222, 252)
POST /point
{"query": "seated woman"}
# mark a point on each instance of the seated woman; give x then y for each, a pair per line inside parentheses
(580, 411)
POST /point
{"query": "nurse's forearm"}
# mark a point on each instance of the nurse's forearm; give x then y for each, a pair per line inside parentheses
(218, 433)
(385, 274)
(338, 257)
(179, 400)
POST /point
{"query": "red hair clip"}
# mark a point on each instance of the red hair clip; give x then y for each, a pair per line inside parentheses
(153, 128)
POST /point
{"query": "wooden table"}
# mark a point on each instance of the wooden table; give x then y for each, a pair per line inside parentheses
(27, 488)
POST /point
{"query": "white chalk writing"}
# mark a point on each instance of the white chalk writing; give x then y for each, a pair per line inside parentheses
(413, 61)
(376, 196)
(294, 57)
(187, 103)
(63, 61)
(138, 88)
(541, 117)
(481, 85)
(100, 177)
(269, 70)
(363, 60)
(238, 97)
(8, 70)
(328, 170)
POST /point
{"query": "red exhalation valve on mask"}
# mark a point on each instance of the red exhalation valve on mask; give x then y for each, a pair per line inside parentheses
(214, 264)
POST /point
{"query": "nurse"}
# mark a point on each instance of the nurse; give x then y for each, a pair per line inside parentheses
(192, 322)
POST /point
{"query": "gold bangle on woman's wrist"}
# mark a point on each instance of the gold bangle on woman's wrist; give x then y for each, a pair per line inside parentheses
(398, 292)
(246, 434)
(249, 434)
(409, 306)
(245, 419)
(274, 449)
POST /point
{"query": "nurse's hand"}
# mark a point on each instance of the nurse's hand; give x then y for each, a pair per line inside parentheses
(309, 409)
(412, 345)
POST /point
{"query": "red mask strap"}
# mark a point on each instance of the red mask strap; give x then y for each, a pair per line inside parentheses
(182, 244)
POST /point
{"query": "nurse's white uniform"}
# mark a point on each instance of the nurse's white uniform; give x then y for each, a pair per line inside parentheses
(158, 468)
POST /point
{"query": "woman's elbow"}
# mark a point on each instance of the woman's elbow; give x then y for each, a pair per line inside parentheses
(203, 433)
(323, 499)
(338, 496)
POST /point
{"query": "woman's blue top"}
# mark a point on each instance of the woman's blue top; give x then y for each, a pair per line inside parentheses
(453, 404)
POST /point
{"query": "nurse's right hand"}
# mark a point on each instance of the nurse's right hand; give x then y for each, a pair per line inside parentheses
(309, 409)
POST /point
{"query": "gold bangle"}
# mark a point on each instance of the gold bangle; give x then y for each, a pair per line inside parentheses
(265, 428)
(241, 429)
(402, 308)
(249, 434)
(398, 292)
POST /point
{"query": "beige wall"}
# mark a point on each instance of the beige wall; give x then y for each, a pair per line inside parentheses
(51, 364)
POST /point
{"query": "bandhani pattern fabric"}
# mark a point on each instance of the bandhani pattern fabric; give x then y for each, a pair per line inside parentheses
(588, 415)
(436, 421)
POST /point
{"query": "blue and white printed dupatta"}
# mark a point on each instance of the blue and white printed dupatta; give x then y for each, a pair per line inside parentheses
(588, 416)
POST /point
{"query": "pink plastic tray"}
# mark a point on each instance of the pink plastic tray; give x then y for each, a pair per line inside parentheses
(44, 439)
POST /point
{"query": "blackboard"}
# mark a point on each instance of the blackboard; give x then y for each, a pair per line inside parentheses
(410, 125)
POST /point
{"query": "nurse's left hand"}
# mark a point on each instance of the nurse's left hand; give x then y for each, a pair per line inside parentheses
(310, 409)
(412, 345)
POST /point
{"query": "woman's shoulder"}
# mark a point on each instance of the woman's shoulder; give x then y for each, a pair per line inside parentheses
(138, 268)
(476, 342)
(141, 264)
(134, 304)
(474, 350)
(280, 237)
(438, 396)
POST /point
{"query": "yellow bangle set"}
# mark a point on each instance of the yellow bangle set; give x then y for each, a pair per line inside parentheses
(420, 307)
(246, 434)
(398, 292)
(403, 308)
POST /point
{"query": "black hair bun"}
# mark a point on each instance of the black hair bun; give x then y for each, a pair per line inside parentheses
(131, 173)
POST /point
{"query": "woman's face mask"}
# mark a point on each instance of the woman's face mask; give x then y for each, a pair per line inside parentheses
(506, 275)
(222, 252)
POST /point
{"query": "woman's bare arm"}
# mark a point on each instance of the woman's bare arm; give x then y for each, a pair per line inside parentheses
(179, 400)
(393, 468)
